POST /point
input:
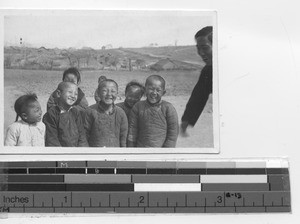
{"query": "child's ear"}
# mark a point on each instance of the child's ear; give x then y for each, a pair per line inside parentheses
(164, 92)
(24, 116)
(58, 93)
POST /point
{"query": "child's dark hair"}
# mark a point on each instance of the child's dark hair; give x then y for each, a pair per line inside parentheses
(135, 83)
(157, 77)
(22, 103)
(101, 78)
(108, 80)
(205, 32)
(73, 71)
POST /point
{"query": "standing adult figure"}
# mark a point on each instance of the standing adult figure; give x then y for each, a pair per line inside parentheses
(203, 88)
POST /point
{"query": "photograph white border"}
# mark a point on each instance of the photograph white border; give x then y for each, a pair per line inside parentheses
(117, 151)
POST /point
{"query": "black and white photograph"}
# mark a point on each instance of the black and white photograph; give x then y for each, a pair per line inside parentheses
(111, 81)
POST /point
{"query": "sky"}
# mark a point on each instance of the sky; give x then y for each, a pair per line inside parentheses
(99, 28)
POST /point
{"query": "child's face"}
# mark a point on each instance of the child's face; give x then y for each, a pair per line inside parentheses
(204, 48)
(71, 78)
(68, 95)
(108, 92)
(154, 91)
(133, 95)
(33, 113)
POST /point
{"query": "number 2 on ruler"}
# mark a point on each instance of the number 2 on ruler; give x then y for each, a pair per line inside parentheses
(141, 199)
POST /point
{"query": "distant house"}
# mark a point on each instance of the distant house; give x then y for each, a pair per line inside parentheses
(164, 64)
(43, 50)
(57, 51)
(168, 64)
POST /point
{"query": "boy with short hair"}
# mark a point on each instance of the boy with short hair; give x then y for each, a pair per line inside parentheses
(63, 122)
(70, 75)
(134, 91)
(153, 122)
(105, 124)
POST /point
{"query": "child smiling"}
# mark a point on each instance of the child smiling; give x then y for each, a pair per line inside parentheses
(105, 124)
(153, 122)
(70, 75)
(63, 122)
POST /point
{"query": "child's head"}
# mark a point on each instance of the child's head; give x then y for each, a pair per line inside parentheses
(155, 88)
(28, 108)
(133, 93)
(72, 75)
(101, 79)
(108, 91)
(204, 44)
(67, 93)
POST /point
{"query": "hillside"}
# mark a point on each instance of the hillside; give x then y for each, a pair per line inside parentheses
(147, 58)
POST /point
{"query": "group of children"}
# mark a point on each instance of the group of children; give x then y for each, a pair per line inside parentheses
(70, 122)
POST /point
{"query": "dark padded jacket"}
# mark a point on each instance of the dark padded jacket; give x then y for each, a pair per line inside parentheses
(64, 129)
(199, 96)
(153, 125)
(105, 130)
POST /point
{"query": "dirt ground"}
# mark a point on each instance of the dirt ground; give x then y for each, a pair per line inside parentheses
(201, 136)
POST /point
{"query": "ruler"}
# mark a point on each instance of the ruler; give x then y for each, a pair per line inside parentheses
(235, 186)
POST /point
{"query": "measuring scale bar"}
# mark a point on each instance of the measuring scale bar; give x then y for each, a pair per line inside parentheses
(145, 187)
(225, 201)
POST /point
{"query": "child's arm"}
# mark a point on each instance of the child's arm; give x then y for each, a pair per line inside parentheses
(83, 103)
(51, 130)
(133, 127)
(123, 129)
(198, 99)
(51, 101)
(172, 127)
(82, 142)
(88, 121)
(12, 136)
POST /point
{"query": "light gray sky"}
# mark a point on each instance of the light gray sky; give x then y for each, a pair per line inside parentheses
(118, 28)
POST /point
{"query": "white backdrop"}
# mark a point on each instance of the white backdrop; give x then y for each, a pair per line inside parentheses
(259, 52)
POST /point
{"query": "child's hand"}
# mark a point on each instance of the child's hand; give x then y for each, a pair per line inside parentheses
(183, 127)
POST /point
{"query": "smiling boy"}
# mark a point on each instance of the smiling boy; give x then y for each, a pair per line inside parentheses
(105, 124)
(63, 122)
(153, 122)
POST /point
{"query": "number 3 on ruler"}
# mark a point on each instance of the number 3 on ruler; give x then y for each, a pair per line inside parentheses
(219, 199)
